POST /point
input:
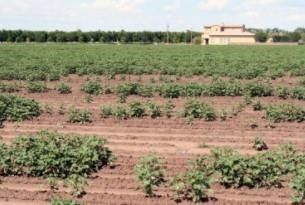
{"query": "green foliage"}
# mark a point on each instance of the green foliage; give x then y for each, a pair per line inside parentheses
(301, 82)
(169, 90)
(149, 173)
(297, 184)
(154, 110)
(106, 111)
(61, 201)
(193, 185)
(261, 170)
(41, 60)
(285, 113)
(91, 87)
(257, 106)
(259, 144)
(124, 90)
(145, 91)
(63, 88)
(121, 113)
(53, 76)
(191, 90)
(15, 108)
(53, 155)
(36, 87)
(136, 109)
(79, 116)
(9, 87)
(258, 89)
(221, 88)
(298, 92)
(168, 109)
(283, 92)
(261, 37)
(198, 110)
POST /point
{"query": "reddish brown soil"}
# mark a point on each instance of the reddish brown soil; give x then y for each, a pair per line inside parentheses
(173, 139)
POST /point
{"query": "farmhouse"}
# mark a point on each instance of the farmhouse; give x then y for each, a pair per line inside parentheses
(226, 34)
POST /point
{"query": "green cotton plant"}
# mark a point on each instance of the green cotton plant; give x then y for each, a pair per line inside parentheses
(36, 87)
(145, 91)
(91, 87)
(63, 88)
(149, 173)
(62, 201)
(169, 108)
(76, 115)
(136, 109)
(154, 110)
(121, 113)
(297, 184)
(194, 109)
(259, 144)
(52, 155)
(283, 92)
(235, 170)
(169, 90)
(258, 89)
(9, 87)
(15, 108)
(297, 92)
(285, 113)
(193, 185)
(106, 111)
(126, 89)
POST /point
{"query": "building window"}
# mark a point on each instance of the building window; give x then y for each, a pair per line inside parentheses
(222, 29)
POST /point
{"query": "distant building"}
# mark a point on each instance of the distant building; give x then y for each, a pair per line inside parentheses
(227, 34)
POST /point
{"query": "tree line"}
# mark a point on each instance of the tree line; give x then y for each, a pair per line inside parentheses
(98, 36)
(278, 35)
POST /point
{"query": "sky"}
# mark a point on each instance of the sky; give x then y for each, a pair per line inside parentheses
(152, 15)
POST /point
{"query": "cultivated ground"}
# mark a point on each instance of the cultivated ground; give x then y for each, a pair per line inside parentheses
(175, 140)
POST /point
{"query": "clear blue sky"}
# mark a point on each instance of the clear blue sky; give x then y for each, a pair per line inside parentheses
(148, 14)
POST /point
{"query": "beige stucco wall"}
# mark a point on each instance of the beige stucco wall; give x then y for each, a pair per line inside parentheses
(226, 40)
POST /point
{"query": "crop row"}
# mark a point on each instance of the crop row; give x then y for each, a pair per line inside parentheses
(170, 90)
(55, 157)
(45, 61)
(14, 108)
(230, 169)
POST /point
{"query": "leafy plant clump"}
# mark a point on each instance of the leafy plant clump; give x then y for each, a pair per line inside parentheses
(297, 184)
(197, 110)
(106, 111)
(258, 89)
(285, 113)
(76, 115)
(124, 90)
(61, 201)
(36, 87)
(91, 87)
(283, 92)
(9, 87)
(193, 185)
(259, 144)
(63, 88)
(149, 173)
(53, 155)
(298, 92)
(257, 105)
(136, 109)
(154, 110)
(15, 108)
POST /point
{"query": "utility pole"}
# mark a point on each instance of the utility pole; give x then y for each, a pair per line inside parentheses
(191, 36)
(167, 33)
